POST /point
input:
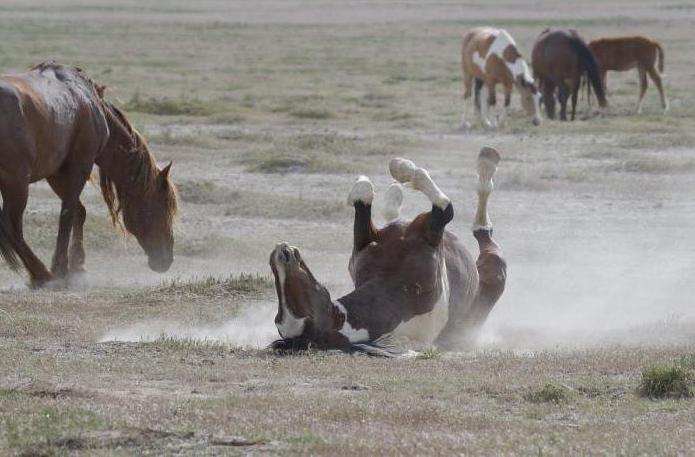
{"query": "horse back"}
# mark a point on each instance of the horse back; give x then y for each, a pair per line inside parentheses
(48, 115)
(624, 53)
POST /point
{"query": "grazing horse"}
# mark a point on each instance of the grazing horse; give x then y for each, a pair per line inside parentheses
(560, 60)
(626, 53)
(56, 125)
(412, 279)
(490, 57)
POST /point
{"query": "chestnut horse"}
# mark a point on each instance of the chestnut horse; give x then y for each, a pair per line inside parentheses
(490, 57)
(412, 279)
(56, 125)
(626, 53)
(560, 60)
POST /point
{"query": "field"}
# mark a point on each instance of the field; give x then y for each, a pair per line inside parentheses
(269, 110)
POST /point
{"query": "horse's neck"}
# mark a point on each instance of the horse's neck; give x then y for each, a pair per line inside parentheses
(119, 158)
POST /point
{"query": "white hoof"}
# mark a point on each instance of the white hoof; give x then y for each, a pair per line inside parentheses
(393, 201)
(362, 191)
(487, 165)
(406, 172)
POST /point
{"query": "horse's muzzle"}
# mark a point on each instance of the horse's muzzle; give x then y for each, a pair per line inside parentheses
(160, 264)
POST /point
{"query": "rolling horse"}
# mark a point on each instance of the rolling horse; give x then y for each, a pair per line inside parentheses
(55, 125)
(560, 60)
(412, 279)
(490, 57)
(626, 53)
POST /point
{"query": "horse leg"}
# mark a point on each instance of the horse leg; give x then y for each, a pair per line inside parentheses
(492, 268)
(487, 99)
(360, 197)
(467, 84)
(507, 102)
(393, 199)
(643, 83)
(15, 195)
(73, 215)
(562, 96)
(68, 185)
(406, 172)
(654, 74)
(575, 93)
(549, 99)
(463, 326)
(476, 97)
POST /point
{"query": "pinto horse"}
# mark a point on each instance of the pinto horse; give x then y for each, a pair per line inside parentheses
(560, 60)
(626, 53)
(56, 125)
(490, 57)
(412, 279)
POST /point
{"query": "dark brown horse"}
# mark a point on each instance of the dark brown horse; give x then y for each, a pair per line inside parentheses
(560, 60)
(412, 279)
(626, 53)
(56, 125)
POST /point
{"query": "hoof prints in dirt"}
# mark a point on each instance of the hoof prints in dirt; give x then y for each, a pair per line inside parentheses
(135, 438)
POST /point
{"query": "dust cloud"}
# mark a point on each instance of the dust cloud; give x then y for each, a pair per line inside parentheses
(254, 327)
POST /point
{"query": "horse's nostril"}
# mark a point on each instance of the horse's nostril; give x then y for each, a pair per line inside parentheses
(297, 255)
(285, 254)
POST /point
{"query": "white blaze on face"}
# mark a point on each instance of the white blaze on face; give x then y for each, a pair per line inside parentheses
(425, 328)
(352, 334)
(289, 326)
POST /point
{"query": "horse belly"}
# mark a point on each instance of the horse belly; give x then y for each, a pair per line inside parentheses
(424, 328)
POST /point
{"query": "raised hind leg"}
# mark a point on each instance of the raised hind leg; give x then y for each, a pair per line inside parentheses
(492, 268)
(464, 323)
(654, 74)
(406, 172)
(643, 83)
(14, 195)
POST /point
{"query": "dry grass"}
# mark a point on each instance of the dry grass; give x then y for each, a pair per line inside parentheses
(268, 113)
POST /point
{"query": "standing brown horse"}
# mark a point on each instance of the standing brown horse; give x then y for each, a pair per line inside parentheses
(55, 125)
(412, 278)
(560, 60)
(626, 53)
(490, 57)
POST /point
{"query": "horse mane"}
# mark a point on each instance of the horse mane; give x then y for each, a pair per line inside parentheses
(66, 73)
(142, 171)
(589, 65)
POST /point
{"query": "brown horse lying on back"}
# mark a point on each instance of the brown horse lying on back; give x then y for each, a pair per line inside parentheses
(412, 279)
(55, 125)
(626, 53)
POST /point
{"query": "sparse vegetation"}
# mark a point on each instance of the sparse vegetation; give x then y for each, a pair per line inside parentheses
(667, 382)
(170, 106)
(549, 393)
(214, 286)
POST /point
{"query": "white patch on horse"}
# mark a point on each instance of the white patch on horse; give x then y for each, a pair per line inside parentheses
(362, 191)
(425, 328)
(290, 325)
(352, 334)
(499, 44)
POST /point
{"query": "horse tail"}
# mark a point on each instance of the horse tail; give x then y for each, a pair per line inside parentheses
(660, 51)
(8, 251)
(589, 67)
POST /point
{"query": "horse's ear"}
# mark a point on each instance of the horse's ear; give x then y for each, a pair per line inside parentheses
(164, 174)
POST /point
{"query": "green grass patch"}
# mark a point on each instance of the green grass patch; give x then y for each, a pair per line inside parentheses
(549, 393)
(667, 382)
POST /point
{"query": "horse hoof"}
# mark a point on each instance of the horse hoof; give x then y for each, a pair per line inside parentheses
(362, 191)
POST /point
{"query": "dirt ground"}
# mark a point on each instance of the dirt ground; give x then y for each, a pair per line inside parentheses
(269, 110)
